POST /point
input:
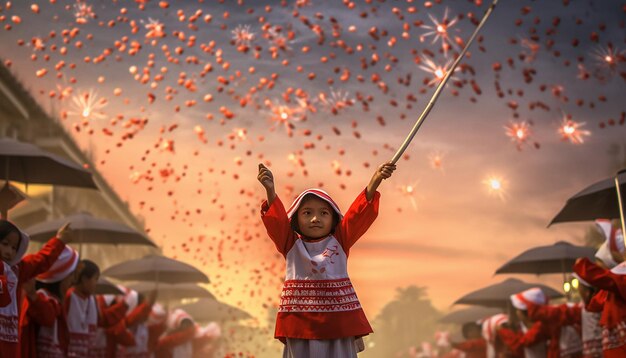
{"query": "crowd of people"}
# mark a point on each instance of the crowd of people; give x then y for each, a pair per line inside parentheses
(49, 308)
(595, 327)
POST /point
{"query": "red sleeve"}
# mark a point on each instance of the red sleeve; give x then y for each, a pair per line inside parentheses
(154, 332)
(518, 340)
(597, 301)
(120, 335)
(177, 338)
(5, 296)
(110, 315)
(278, 226)
(357, 220)
(140, 313)
(600, 277)
(472, 345)
(44, 310)
(562, 315)
(40, 262)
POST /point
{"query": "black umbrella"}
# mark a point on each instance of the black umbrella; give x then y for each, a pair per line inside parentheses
(90, 230)
(157, 269)
(106, 287)
(498, 295)
(471, 314)
(207, 310)
(598, 201)
(557, 258)
(27, 163)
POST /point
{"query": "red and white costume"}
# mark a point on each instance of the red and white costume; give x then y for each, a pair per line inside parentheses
(12, 275)
(613, 303)
(52, 338)
(82, 321)
(531, 340)
(564, 322)
(178, 342)
(318, 301)
(490, 328)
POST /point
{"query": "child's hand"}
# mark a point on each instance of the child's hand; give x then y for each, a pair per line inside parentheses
(385, 170)
(65, 233)
(266, 177)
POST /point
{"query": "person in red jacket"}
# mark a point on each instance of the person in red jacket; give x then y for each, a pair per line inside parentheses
(178, 341)
(83, 314)
(315, 239)
(531, 339)
(15, 270)
(44, 320)
(474, 346)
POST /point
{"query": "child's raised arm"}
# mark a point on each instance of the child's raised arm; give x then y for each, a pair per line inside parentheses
(384, 171)
(266, 178)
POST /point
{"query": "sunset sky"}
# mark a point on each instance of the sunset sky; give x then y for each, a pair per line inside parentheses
(190, 171)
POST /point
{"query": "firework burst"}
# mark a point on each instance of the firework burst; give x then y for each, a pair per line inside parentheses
(519, 132)
(336, 100)
(410, 192)
(609, 57)
(83, 12)
(242, 35)
(88, 105)
(436, 71)
(435, 160)
(439, 30)
(572, 131)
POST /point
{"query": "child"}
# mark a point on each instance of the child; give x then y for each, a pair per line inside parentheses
(319, 313)
(612, 294)
(474, 345)
(490, 328)
(178, 341)
(14, 271)
(532, 339)
(44, 320)
(83, 315)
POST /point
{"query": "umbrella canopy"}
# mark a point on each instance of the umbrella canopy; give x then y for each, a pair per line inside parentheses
(207, 310)
(90, 230)
(471, 314)
(597, 201)
(557, 258)
(27, 163)
(156, 268)
(106, 287)
(177, 291)
(498, 295)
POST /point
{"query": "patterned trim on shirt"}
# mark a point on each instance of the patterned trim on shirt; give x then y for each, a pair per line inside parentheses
(318, 296)
(614, 337)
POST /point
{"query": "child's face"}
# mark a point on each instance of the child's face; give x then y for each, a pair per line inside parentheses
(9, 246)
(315, 218)
(88, 284)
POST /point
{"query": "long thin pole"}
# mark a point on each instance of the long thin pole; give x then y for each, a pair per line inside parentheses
(440, 87)
(619, 201)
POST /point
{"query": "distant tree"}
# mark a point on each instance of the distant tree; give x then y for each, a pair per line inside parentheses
(407, 321)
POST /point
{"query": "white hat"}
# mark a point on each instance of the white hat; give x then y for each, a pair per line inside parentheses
(176, 318)
(317, 192)
(612, 235)
(62, 267)
(604, 254)
(211, 330)
(533, 295)
(130, 296)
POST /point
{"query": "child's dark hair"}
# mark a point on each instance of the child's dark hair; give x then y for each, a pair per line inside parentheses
(54, 288)
(468, 327)
(6, 227)
(294, 218)
(88, 269)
